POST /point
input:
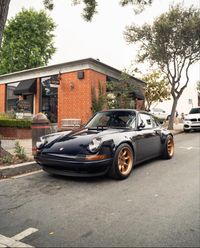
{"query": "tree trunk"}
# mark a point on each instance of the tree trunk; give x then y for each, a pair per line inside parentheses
(4, 6)
(171, 120)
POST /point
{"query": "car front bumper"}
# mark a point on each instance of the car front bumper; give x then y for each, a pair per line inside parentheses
(189, 125)
(74, 168)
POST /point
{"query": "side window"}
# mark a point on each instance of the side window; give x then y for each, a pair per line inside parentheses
(146, 120)
(155, 123)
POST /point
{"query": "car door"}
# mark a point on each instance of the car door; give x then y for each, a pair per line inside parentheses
(148, 140)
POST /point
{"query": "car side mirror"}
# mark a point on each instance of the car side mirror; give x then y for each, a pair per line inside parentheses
(141, 125)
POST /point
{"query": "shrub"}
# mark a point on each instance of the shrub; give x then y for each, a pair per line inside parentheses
(7, 115)
(6, 159)
(19, 151)
(15, 123)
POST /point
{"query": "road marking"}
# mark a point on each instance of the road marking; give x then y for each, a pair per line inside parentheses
(24, 234)
(14, 241)
(189, 148)
(27, 174)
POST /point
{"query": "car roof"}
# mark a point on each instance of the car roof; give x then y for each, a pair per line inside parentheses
(123, 110)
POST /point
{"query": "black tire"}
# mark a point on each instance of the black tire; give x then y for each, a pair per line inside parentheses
(168, 149)
(123, 162)
(186, 130)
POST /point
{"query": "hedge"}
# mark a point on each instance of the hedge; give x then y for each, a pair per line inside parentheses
(15, 123)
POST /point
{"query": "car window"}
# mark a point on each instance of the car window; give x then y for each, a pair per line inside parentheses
(113, 119)
(146, 120)
(195, 111)
(155, 122)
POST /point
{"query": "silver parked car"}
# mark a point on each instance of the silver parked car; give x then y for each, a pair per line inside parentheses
(160, 113)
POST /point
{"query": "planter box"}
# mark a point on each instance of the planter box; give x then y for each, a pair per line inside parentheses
(16, 133)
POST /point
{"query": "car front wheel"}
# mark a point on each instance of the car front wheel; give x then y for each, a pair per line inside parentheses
(168, 149)
(123, 162)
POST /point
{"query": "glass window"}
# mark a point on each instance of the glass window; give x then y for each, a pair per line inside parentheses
(155, 123)
(12, 99)
(113, 119)
(49, 97)
(146, 120)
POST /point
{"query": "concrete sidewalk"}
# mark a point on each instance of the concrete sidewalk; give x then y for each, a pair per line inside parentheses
(13, 170)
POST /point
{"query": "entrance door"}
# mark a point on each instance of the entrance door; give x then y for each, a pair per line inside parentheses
(49, 97)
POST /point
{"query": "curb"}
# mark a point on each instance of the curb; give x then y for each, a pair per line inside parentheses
(176, 132)
(17, 169)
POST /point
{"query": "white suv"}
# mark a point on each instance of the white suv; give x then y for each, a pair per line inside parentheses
(192, 120)
(160, 113)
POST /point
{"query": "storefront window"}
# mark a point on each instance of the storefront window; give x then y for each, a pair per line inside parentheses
(12, 99)
(49, 97)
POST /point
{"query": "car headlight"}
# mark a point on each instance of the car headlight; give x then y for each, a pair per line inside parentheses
(95, 145)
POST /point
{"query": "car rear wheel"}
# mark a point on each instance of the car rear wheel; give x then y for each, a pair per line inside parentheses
(168, 150)
(123, 162)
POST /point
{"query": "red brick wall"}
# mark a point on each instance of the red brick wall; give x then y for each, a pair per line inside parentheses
(2, 97)
(74, 95)
(16, 133)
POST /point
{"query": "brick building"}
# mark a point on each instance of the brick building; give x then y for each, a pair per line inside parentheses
(63, 90)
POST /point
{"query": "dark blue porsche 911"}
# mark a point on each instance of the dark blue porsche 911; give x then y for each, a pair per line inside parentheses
(112, 142)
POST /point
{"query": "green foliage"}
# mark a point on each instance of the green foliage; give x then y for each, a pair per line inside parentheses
(172, 43)
(7, 159)
(19, 151)
(119, 92)
(156, 88)
(98, 98)
(18, 123)
(27, 41)
(90, 6)
(7, 115)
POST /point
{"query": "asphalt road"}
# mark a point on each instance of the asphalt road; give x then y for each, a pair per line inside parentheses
(157, 206)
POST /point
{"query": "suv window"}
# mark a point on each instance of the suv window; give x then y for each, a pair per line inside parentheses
(195, 111)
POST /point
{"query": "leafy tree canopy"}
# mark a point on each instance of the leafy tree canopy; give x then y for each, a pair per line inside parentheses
(27, 41)
(172, 42)
(156, 89)
(90, 6)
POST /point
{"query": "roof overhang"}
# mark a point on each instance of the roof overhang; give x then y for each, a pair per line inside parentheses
(26, 87)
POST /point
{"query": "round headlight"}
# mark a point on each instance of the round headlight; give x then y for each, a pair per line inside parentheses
(95, 145)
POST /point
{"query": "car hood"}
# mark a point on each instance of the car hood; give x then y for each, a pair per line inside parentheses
(192, 116)
(76, 142)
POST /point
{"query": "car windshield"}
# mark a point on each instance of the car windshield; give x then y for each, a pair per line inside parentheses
(195, 111)
(113, 119)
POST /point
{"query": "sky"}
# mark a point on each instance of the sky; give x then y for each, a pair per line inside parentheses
(103, 37)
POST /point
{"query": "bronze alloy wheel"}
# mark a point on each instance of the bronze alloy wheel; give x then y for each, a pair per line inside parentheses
(170, 146)
(125, 161)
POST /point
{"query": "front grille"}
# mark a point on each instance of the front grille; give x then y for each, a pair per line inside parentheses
(194, 120)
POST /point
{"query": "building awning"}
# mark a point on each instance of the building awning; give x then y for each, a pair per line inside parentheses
(26, 87)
